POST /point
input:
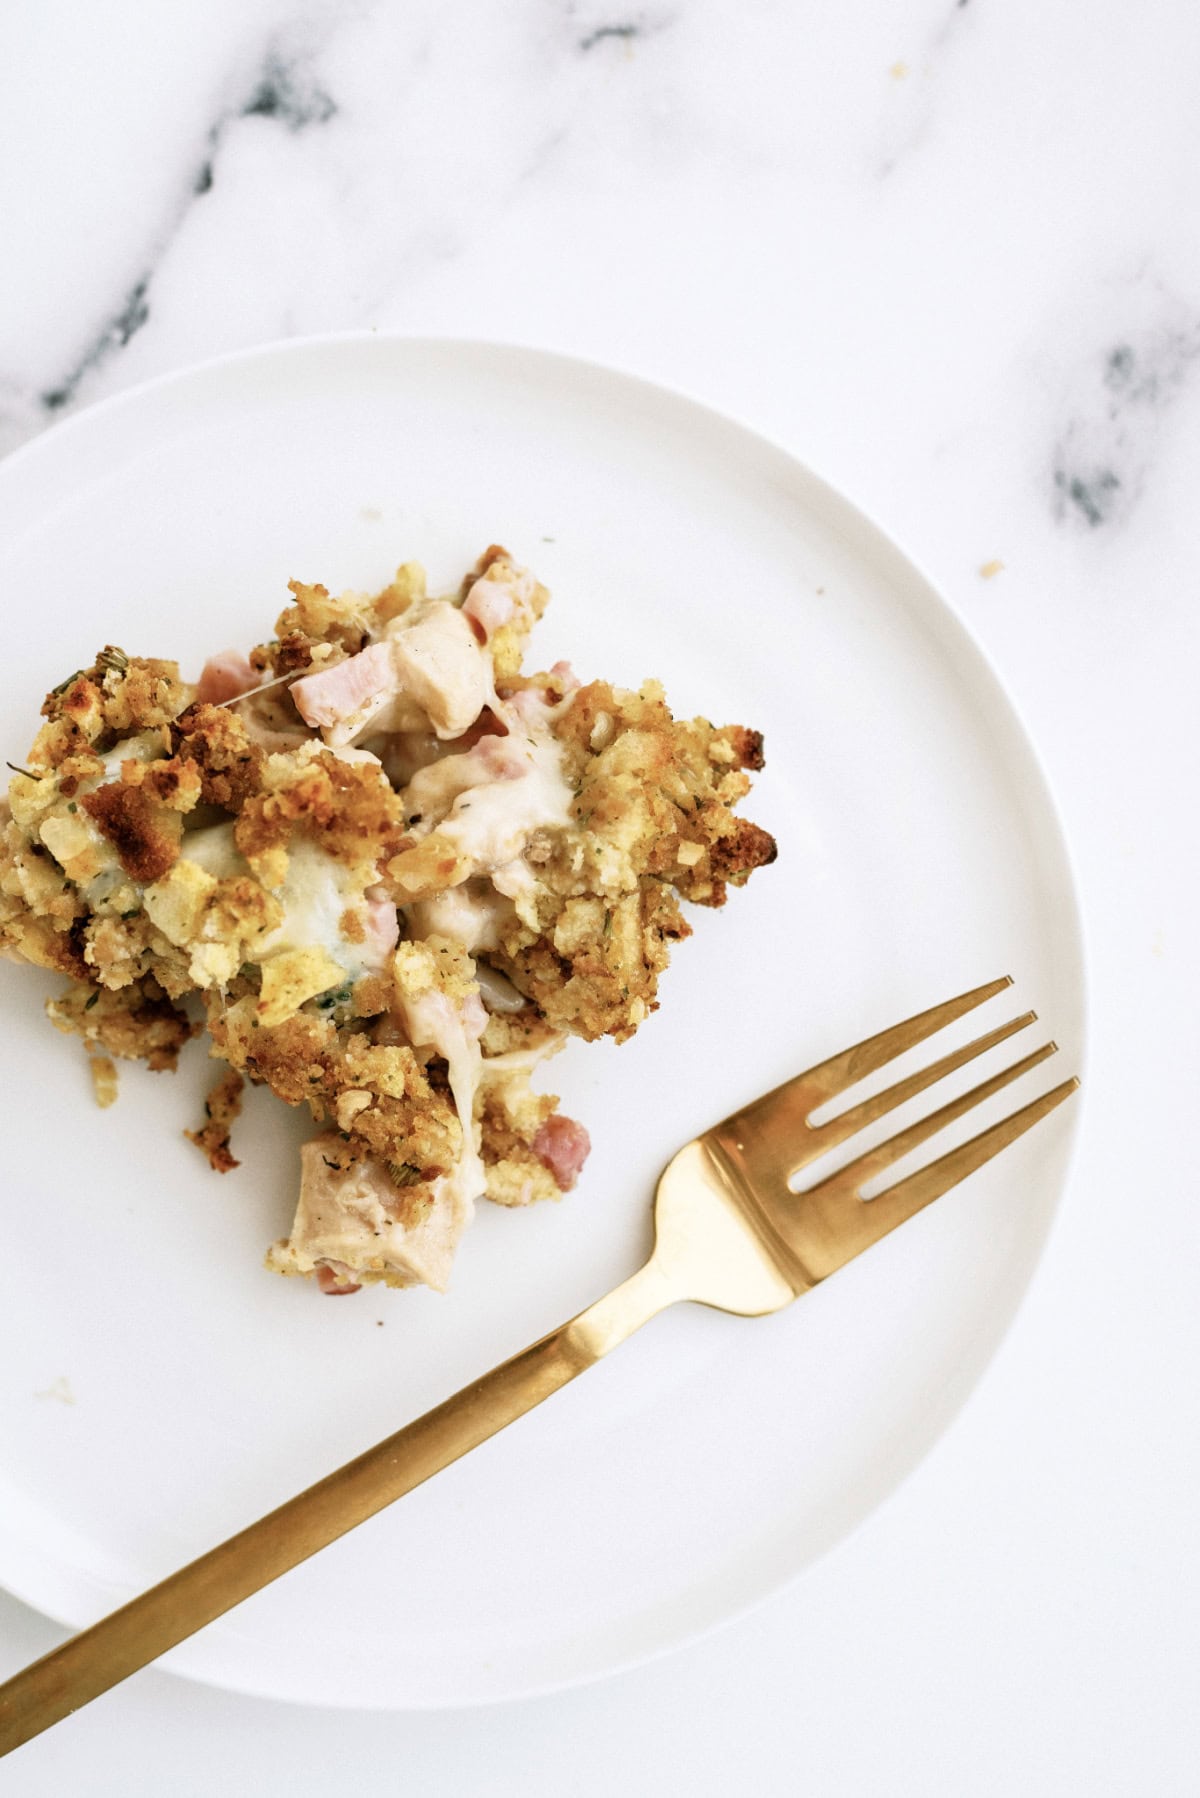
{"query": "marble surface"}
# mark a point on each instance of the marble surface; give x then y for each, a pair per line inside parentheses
(944, 252)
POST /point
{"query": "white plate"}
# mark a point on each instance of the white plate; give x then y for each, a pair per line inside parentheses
(158, 1388)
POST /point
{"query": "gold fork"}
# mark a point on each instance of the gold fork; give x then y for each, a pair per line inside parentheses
(729, 1232)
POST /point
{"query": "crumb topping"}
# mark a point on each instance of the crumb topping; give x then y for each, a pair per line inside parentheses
(393, 873)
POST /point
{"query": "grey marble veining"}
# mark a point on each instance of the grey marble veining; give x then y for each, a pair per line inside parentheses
(1123, 392)
(284, 92)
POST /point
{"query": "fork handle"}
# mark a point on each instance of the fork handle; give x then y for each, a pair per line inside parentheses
(100, 1657)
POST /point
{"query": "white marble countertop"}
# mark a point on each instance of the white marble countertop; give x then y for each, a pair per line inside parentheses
(943, 251)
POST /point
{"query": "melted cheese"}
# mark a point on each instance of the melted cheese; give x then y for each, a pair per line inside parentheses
(145, 747)
(213, 850)
(315, 895)
(433, 1021)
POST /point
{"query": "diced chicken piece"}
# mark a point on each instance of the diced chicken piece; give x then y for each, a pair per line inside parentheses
(440, 664)
(225, 677)
(360, 1225)
(563, 1146)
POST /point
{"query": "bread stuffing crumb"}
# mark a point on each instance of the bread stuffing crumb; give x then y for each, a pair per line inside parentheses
(104, 1080)
(223, 1105)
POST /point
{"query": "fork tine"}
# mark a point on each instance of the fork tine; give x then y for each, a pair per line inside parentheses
(848, 1123)
(831, 1077)
(910, 1195)
(849, 1179)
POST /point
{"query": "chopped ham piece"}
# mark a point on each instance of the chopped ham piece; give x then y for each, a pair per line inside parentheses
(333, 1286)
(348, 692)
(382, 924)
(492, 603)
(225, 677)
(563, 1146)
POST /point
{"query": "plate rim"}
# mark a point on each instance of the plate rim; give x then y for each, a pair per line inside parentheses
(88, 417)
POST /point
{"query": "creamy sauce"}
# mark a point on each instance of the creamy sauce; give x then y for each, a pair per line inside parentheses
(488, 801)
(493, 823)
(432, 790)
(314, 896)
(521, 1061)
